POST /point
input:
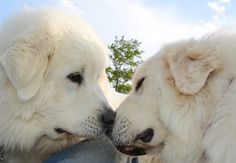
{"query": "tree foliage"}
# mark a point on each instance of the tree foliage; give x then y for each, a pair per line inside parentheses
(125, 57)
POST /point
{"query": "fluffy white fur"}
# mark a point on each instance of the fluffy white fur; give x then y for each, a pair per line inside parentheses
(188, 99)
(38, 49)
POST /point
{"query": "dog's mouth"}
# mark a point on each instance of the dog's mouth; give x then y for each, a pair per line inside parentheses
(131, 150)
(63, 131)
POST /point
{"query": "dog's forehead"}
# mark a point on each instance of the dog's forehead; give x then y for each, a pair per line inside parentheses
(148, 68)
(73, 55)
(77, 45)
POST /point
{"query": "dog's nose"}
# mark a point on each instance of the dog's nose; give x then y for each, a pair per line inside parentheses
(108, 117)
(146, 136)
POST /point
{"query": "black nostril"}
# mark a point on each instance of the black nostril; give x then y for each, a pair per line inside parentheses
(108, 117)
(146, 136)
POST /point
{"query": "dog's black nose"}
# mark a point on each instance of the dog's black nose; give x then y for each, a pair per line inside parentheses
(146, 136)
(108, 117)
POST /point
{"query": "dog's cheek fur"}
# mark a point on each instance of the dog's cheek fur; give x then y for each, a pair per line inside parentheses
(45, 147)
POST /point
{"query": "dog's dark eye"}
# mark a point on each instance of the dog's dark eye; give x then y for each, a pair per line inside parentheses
(76, 77)
(139, 84)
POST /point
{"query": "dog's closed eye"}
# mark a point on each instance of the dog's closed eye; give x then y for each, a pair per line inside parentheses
(139, 84)
(76, 77)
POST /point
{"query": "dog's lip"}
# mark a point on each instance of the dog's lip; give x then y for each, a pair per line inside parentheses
(61, 131)
(131, 150)
(134, 150)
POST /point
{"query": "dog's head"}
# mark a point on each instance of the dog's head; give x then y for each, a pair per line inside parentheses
(52, 69)
(165, 88)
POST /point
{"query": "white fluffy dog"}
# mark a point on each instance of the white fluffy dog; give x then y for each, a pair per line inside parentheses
(51, 64)
(183, 105)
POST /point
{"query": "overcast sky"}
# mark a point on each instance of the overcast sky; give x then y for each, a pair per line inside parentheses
(152, 22)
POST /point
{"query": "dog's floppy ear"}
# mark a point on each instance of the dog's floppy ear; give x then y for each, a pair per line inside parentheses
(190, 70)
(25, 63)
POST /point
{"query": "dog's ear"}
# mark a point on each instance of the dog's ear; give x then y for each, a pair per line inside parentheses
(190, 70)
(25, 63)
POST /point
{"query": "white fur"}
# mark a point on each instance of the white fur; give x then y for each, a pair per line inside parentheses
(188, 98)
(38, 49)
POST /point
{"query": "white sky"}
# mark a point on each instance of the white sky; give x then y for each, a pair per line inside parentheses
(153, 25)
(152, 22)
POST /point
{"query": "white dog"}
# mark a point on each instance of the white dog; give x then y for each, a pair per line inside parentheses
(183, 105)
(50, 68)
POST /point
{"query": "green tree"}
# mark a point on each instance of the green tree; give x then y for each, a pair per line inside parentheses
(125, 57)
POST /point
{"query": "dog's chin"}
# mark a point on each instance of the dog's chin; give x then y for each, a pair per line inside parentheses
(155, 150)
(133, 150)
